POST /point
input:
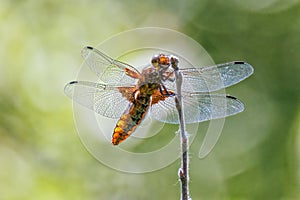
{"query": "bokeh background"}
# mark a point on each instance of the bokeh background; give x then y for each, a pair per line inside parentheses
(41, 156)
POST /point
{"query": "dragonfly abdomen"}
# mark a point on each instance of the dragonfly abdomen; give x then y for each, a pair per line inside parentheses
(131, 118)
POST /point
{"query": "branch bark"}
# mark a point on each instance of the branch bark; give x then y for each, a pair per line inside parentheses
(183, 172)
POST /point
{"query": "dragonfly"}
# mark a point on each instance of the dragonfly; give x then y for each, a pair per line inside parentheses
(128, 95)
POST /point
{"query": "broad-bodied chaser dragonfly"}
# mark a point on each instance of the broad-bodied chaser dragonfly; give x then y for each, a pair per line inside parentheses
(126, 94)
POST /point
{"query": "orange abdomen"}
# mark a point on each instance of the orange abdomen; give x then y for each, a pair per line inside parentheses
(131, 118)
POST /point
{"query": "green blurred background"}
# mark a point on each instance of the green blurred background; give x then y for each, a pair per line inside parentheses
(41, 156)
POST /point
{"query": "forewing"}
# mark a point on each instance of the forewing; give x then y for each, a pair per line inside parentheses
(213, 78)
(109, 101)
(197, 107)
(109, 70)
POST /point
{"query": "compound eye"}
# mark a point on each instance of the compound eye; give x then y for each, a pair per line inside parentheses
(155, 60)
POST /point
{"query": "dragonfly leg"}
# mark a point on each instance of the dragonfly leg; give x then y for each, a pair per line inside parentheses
(164, 92)
(168, 76)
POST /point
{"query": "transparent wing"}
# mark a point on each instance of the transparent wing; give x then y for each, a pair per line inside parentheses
(107, 69)
(213, 78)
(109, 101)
(197, 107)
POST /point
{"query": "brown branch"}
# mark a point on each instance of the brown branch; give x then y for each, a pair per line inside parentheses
(183, 172)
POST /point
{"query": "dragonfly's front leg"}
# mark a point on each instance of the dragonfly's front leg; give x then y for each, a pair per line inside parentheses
(164, 92)
(170, 76)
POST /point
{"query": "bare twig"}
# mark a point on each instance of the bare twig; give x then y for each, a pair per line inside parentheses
(183, 172)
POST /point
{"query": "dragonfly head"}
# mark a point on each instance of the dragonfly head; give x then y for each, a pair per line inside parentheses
(161, 61)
